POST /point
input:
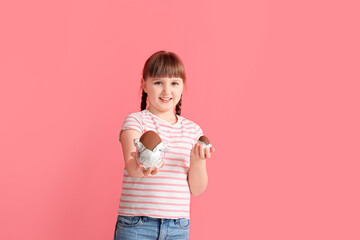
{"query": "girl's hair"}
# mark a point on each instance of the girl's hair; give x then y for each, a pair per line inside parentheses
(163, 64)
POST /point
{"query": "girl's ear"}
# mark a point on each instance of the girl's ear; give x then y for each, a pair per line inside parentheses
(143, 85)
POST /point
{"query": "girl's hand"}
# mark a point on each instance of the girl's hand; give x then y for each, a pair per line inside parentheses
(147, 171)
(199, 153)
(150, 170)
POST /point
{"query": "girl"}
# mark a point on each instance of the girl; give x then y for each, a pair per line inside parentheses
(155, 203)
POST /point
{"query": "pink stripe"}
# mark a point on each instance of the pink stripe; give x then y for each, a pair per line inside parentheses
(132, 121)
(169, 171)
(152, 215)
(157, 184)
(177, 153)
(177, 147)
(174, 165)
(188, 137)
(155, 190)
(148, 121)
(176, 159)
(181, 142)
(172, 132)
(128, 118)
(130, 126)
(167, 126)
(182, 131)
(151, 196)
(176, 178)
(155, 203)
(155, 209)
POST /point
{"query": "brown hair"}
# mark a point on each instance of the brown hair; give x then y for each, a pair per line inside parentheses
(163, 64)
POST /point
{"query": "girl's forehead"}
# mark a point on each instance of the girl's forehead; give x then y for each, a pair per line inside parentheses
(166, 78)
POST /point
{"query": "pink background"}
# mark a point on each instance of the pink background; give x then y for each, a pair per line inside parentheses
(274, 84)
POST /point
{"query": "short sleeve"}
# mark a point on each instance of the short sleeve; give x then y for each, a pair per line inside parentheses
(132, 122)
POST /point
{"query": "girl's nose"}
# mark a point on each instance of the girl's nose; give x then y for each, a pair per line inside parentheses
(166, 89)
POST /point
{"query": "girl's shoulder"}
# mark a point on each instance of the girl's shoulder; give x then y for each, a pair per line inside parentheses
(138, 115)
(136, 121)
(192, 127)
(189, 123)
(141, 117)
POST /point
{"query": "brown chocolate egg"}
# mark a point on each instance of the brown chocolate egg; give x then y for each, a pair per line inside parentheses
(150, 140)
(204, 139)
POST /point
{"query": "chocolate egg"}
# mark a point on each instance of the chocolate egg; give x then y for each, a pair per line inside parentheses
(204, 139)
(150, 150)
(205, 142)
(150, 140)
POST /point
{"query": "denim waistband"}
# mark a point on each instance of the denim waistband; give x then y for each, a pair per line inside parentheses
(146, 218)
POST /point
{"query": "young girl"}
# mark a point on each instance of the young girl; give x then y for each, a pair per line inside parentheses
(155, 203)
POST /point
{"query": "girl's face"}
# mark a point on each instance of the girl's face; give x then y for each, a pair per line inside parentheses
(163, 93)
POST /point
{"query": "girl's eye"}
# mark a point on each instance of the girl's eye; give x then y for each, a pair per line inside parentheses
(173, 83)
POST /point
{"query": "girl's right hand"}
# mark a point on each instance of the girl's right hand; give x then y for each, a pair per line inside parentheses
(147, 171)
(150, 170)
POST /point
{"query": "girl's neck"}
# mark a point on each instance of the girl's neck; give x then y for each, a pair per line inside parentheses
(167, 116)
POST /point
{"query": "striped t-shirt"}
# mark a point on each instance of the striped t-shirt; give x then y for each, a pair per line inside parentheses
(166, 194)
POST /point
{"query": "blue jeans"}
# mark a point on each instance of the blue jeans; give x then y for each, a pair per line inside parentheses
(143, 228)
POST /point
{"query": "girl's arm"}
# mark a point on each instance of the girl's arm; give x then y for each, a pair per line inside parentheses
(197, 175)
(129, 152)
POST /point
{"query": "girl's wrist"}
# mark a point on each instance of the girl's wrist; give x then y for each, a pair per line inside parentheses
(197, 162)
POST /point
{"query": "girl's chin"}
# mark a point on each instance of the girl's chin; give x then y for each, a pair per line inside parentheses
(166, 108)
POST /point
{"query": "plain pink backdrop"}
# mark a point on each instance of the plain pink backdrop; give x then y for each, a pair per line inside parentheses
(274, 84)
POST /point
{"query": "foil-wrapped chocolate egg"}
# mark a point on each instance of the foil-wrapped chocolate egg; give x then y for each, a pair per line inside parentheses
(150, 140)
(150, 150)
(205, 142)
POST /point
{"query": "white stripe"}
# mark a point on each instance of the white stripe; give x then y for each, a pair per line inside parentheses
(156, 206)
(156, 187)
(159, 194)
(153, 179)
(156, 200)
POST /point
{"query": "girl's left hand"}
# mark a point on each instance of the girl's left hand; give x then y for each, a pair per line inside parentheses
(200, 153)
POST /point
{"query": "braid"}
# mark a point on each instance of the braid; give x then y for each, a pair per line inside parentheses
(143, 100)
(178, 107)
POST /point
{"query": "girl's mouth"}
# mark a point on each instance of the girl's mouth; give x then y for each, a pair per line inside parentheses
(165, 100)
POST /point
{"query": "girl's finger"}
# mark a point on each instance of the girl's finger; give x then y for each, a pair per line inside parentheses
(147, 172)
(207, 153)
(212, 149)
(155, 171)
(196, 149)
(201, 151)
